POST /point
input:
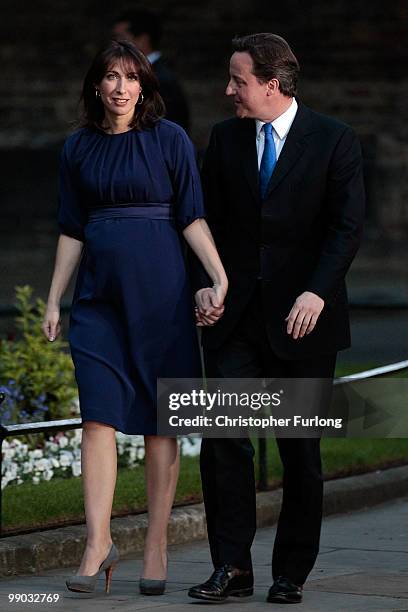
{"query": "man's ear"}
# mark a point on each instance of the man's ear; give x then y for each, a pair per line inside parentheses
(272, 87)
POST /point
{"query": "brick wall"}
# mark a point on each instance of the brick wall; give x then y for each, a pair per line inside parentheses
(353, 56)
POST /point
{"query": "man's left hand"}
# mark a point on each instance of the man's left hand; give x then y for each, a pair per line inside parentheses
(304, 314)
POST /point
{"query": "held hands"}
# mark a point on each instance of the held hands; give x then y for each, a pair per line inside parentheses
(51, 325)
(209, 305)
(304, 314)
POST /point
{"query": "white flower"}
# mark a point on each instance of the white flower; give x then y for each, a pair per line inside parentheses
(77, 437)
(42, 464)
(10, 475)
(76, 468)
(140, 452)
(9, 453)
(63, 453)
(63, 441)
(22, 451)
(52, 446)
(66, 458)
(27, 467)
(190, 447)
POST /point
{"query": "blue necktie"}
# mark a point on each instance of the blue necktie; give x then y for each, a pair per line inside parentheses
(268, 161)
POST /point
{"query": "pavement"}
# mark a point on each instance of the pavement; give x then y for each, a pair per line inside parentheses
(362, 566)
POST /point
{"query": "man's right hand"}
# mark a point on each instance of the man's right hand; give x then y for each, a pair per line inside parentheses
(209, 305)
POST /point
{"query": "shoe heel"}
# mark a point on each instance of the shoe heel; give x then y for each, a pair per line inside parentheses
(108, 577)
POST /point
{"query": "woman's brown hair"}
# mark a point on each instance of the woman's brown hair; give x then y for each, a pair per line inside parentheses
(146, 114)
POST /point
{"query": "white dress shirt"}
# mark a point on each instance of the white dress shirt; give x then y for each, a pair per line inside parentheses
(281, 126)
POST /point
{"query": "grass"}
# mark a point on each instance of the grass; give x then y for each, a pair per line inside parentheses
(344, 369)
(60, 501)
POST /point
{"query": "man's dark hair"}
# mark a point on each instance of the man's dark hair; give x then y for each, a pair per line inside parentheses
(151, 110)
(272, 58)
(143, 22)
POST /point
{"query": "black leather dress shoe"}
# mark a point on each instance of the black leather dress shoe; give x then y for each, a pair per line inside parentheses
(284, 591)
(225, 581)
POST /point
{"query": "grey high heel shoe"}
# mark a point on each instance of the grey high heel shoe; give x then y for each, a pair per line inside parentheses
(148, 586)
(86, 584)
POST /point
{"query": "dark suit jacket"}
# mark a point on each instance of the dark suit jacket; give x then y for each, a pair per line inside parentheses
(303, 237)
(172, 94)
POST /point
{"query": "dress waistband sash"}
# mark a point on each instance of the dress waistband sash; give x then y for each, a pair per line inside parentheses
(155, 210)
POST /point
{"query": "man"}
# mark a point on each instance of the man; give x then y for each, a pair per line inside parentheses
(285, 201)
(144, 29)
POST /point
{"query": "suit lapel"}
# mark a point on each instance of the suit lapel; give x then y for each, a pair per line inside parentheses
(294, 146)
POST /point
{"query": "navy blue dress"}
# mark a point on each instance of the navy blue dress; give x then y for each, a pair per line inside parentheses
(127, 197)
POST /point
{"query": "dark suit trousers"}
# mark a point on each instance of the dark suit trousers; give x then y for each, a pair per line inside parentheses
(227, 470)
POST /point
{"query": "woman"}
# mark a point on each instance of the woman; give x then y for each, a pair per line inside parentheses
(128, 188)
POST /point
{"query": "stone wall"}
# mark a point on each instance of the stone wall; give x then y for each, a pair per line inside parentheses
(353, 56)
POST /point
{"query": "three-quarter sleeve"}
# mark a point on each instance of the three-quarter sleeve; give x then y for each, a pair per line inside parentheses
(186, 181)
(71, 215)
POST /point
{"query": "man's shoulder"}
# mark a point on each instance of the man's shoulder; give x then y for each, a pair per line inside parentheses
(232, 126)
(324, 122)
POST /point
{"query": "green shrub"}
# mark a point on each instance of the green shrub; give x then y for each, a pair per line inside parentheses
(37, 367)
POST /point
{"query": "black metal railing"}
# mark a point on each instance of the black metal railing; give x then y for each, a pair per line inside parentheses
(342, 380)
(68, 424)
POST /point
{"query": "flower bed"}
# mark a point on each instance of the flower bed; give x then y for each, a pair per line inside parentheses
(60, 456)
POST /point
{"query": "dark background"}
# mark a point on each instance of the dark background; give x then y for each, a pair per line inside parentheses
(353, 58)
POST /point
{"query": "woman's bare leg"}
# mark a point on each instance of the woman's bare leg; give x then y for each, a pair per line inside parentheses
(99, 468)
(162, 462)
